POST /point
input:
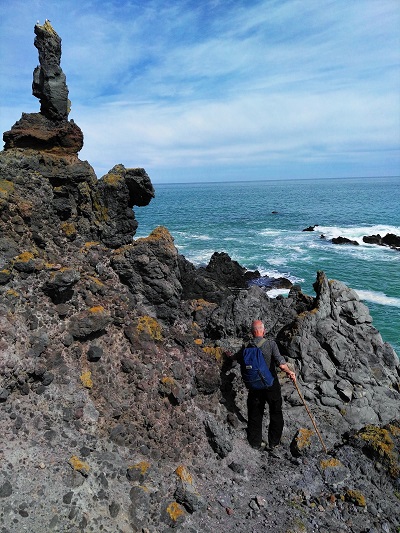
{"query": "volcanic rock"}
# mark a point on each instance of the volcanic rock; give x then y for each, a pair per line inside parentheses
(113, 361)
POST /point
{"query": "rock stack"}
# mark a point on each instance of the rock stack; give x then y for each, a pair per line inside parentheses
(118, 408)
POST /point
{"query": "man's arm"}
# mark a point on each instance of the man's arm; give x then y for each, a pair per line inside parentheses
(281, 362)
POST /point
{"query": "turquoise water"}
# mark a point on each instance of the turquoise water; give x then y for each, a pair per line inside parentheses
(237, 218)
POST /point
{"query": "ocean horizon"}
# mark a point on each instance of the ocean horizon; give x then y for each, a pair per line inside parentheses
(260, 224)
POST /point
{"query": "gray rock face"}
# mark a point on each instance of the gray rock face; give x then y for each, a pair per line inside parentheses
(49, 82)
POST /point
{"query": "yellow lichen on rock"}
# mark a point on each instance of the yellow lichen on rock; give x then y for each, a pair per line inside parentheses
(79, 466)
(113, 180)
(183, 473)
(330, 463)
(380, 441)
(142, 466)
(6, 188)
(150, 326)
(69, 230)
(24, 257)
(199, 342)
(86, 379)
(96, 309)
(304, 438)
(356, 497)
(167, 380)
(214, 351)
(175, 511)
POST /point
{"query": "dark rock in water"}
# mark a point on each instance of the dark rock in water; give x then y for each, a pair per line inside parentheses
(373, 239)
(310, 228)
(271, 283)
(390, 239)
(344, 240)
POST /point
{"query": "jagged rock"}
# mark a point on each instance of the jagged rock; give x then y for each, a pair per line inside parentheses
(120, 190)
(149, 267)
(310, 228)
(218, 437)
(344, 240)
(390, 239)
(89, 322)
(59, 286)
(49, 82)
(38, 132)
(372, 239)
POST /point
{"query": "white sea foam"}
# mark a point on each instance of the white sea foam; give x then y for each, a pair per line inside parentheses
(378, 298)
(273, 293)
(278, 274)
(356, 233)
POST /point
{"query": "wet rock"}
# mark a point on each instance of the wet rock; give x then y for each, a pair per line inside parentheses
(344, 240)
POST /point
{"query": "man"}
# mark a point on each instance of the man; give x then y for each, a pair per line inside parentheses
(257, 398)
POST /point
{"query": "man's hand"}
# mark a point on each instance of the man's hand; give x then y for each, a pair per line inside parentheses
(289, 372)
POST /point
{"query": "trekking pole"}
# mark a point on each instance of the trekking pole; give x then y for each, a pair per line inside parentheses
(310, 415)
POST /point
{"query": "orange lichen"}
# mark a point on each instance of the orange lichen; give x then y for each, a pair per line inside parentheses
(24, 257)
(150, 326)
(198, 341)
(304, 438)
(214, 351)
(175, 511)
(356, 497)
(167, 380)
(159, 234)
(86, 379)
(79, 466)
(143, 466)
(381, 442)
(330, 463)
(96, 281)
(97, 309)
(68, 229)
(183, 473)
(12, 292)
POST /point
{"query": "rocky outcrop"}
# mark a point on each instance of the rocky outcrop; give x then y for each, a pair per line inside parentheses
(49, 82)
(119, 410)
(344, 240)
(390, 239)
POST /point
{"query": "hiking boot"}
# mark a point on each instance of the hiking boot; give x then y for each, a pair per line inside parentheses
(276, 452)
(262, 447)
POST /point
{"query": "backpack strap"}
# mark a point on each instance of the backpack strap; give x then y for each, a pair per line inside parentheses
(260, 343)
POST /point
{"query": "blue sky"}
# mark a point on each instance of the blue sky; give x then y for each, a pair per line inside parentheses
(196, 90)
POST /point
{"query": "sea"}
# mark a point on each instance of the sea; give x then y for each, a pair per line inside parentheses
(260, 224)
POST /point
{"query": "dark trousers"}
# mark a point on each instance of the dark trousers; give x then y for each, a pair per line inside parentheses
(256, 401)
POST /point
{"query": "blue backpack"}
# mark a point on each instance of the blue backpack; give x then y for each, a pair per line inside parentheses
(255, 372)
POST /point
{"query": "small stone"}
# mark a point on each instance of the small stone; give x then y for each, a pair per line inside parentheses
(94, 353)
(6, 489)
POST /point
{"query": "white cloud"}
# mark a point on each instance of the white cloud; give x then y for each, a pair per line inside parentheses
(188, 84)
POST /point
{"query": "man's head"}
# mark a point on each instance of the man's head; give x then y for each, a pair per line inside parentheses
(257, 328)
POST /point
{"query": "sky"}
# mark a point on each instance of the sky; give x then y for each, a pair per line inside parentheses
(219, 90)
